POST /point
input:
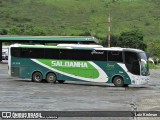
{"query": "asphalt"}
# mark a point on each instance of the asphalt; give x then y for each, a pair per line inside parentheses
(23, 95)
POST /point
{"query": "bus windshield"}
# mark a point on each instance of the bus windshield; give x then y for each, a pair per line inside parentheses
(143, 64)
(136, 63)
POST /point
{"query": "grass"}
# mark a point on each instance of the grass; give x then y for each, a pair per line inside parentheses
(74, 17)
(153, 66)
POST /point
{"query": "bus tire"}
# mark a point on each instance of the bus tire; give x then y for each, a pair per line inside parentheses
(61, 81)
(37, 77)
(118, 81)
(51, 78)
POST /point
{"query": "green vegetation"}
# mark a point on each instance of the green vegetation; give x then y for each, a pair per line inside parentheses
(153, 66)
(82, 17)
(129, 39)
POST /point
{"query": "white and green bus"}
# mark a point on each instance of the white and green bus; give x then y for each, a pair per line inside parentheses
(78, 62)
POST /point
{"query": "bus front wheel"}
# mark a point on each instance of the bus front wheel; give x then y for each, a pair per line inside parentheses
(118, 81)
(51, 78)
(37, 77)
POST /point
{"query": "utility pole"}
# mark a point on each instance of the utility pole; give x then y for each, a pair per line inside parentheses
(109, 29)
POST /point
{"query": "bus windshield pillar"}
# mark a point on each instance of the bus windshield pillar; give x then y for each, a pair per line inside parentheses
(0, 51)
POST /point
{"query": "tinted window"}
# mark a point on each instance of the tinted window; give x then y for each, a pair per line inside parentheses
(70, 54)
(25, 53)
(115, 56)
(130, 57)
(83, 55)
(132, 63)
(99, 55)
(67, 54)
(15, 52)
(36, 53)
(51, 53)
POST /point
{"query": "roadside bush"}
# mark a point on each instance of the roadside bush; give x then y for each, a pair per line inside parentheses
(3, 32)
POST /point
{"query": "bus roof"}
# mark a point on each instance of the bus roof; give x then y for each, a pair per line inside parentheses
(79, 46)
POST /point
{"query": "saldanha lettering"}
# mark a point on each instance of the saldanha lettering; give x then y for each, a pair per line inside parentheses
(69, 64)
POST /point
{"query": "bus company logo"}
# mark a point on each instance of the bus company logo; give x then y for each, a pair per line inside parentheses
(6, 115)
(111, 65)
(69, 64)
(95, 52)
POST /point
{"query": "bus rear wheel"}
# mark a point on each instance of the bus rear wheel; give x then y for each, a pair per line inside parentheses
(37, 77)
(118, 81)
(51, 78)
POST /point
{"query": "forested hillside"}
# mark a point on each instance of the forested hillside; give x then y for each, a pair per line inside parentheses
(81, 17)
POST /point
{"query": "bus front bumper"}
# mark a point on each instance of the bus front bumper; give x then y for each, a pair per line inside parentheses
(141, 80)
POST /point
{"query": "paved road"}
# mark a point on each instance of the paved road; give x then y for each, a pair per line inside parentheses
(24, 95)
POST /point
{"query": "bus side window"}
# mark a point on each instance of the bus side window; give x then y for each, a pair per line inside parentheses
(67, 54)
(36, 53)
(25, 53)
(51, 53)
(99, 55)
(83, 55)
(15, 52)
(115, 56)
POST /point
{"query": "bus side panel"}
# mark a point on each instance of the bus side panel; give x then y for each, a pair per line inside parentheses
(110, 69)
(27, 67)
(24, 68)
(121, 71)
(113, 69)
(88, 73)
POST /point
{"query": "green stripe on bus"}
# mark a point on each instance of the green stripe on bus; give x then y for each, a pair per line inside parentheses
(77, 68)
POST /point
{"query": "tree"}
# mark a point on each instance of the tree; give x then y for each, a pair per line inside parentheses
(27, 29)
(38, 32)
(3, 32)
(85, 33)
(14, 30)
(114, 41)
(132, 39)
(154, 47)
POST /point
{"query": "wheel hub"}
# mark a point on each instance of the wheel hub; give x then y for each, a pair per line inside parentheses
(119, 81)
(37, 77)
(51, 78)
